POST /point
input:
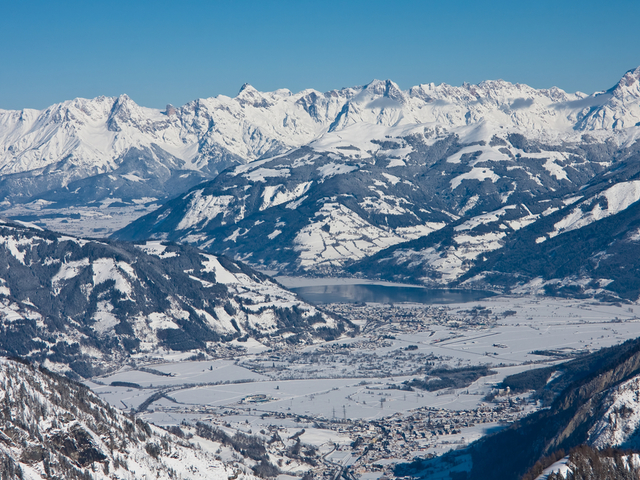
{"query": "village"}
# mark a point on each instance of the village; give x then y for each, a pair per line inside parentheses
(373, 446)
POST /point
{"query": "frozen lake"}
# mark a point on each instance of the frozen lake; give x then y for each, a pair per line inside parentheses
(372, 293)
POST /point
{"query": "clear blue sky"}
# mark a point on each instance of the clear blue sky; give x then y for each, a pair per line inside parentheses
(161, 52)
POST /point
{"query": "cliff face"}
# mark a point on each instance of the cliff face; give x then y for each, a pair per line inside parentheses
(587, 403)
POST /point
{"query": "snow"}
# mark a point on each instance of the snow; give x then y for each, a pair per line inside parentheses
(278, 194)
(156, 248)
(485, 154)
(260, 174)
(396, 162)
(67, 271)
(103, 317)
(133, 178)
(618, 198)
(105, 269)
(381, 207)
(622, 417)
(349, 236)
(252, 126)
(562, 466)
(482, 219)
(392, 178)
(209, 389)
(12, 245)
(331, 169)
(477, 173)
(211, 264)
(452, 262)
(555, 169)
(160, 321)
(182, 459)
(469, 205)
(203, 208)
(295, 204)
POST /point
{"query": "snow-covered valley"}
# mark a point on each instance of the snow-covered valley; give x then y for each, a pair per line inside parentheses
(337, 392)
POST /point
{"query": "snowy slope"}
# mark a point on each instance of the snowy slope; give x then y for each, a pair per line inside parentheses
(314, 210)
(618, 426)
(583, 243)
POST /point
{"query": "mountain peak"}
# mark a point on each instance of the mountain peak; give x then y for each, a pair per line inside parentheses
(630, 77)
(385, 88)
(248, 87)
(629, 86)
(248, 95)
(634, 71)
(121, 112)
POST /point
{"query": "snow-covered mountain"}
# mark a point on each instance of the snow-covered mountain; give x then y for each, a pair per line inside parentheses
(456, 170)
(55, 428)
(582, 243)
(85, 306)
(108, 151)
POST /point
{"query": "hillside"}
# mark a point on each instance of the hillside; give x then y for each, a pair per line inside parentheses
(55, 428)
(591, 402)
(89, 305)
(584, 245)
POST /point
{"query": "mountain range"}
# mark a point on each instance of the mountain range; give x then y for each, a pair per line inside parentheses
(492, 186)
(108, 152)
(445, 189)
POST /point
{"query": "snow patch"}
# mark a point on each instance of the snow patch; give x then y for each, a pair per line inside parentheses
(204, 208)
(618, 198)
(331, 169)
(278, 194)
(105, 269)
(260, 174)
(67, 271)
(477, 173)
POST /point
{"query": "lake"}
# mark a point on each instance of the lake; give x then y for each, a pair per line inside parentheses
(371, 293)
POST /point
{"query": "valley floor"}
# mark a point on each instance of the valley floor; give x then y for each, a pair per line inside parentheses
(98, 221)
(357, 405)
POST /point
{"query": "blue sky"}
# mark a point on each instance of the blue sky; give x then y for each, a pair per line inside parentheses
(161, 52)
